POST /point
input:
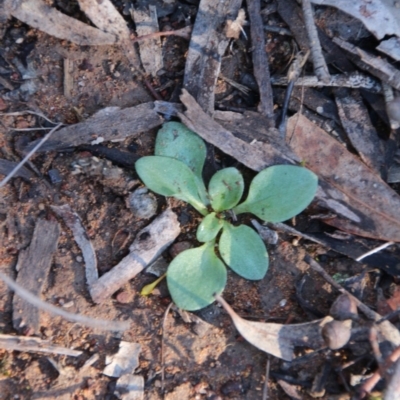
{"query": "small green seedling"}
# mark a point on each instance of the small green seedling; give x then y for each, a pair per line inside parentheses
(276, 194)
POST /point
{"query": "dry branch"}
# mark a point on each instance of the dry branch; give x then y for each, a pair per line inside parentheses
(148, 245)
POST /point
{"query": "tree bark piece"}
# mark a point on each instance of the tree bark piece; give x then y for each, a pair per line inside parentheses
(33, 267)
(362, 134)
(111, 123)
(260, 59)
(150, 49)
(362, 202)
(206, 48)
(148, 245)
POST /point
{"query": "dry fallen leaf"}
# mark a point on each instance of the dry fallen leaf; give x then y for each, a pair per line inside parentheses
(277, 339)
(347, 185)
(380, 17)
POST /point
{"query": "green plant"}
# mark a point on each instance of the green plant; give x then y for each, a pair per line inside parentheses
(276, 194)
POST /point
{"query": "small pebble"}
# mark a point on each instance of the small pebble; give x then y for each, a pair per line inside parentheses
(79, 259)
(123, 297)
(55, 176)
(142, 203)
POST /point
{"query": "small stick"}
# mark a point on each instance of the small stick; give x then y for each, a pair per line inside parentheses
(292, 76)
(93, 323)
(183, 33)
(33, 344)
(375, 250)
(265, 391)
(17, 113)
(72, 220)
(28, 156)
(355, 80)
(370, 383)
(372, 315)
(162, 345)
(260, 58)
(149, 243)
(373, 341)
(320, 67)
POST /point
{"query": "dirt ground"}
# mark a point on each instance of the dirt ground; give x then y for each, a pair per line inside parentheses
(205, 359)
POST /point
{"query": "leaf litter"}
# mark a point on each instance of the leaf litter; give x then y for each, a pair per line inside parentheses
(352, 197)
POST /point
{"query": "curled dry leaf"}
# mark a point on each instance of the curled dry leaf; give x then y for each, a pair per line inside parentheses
(277, 339)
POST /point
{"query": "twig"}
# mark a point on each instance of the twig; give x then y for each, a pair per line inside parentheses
(370, 314)
(93, 323)
(377, 66)
(17, 113)
(320, 67)
(260, 59)
(354, 80)
(149, 243)
(33, 344)
(292, 76)
(183, 33)
(28, 156)
(373, 251)
(265, 391)
(74, 223)
(373, 340)
(162, 345)
(370, 383)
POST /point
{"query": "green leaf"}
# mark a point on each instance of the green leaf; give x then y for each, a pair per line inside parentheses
(209, 228)
(243, 250)
(226, 189)
(170, 177)
(177, 141)
(279, 193)
(194, 276)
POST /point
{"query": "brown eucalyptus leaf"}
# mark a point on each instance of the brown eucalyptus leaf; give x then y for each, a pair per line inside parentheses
(277, 339)
(346, 184)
